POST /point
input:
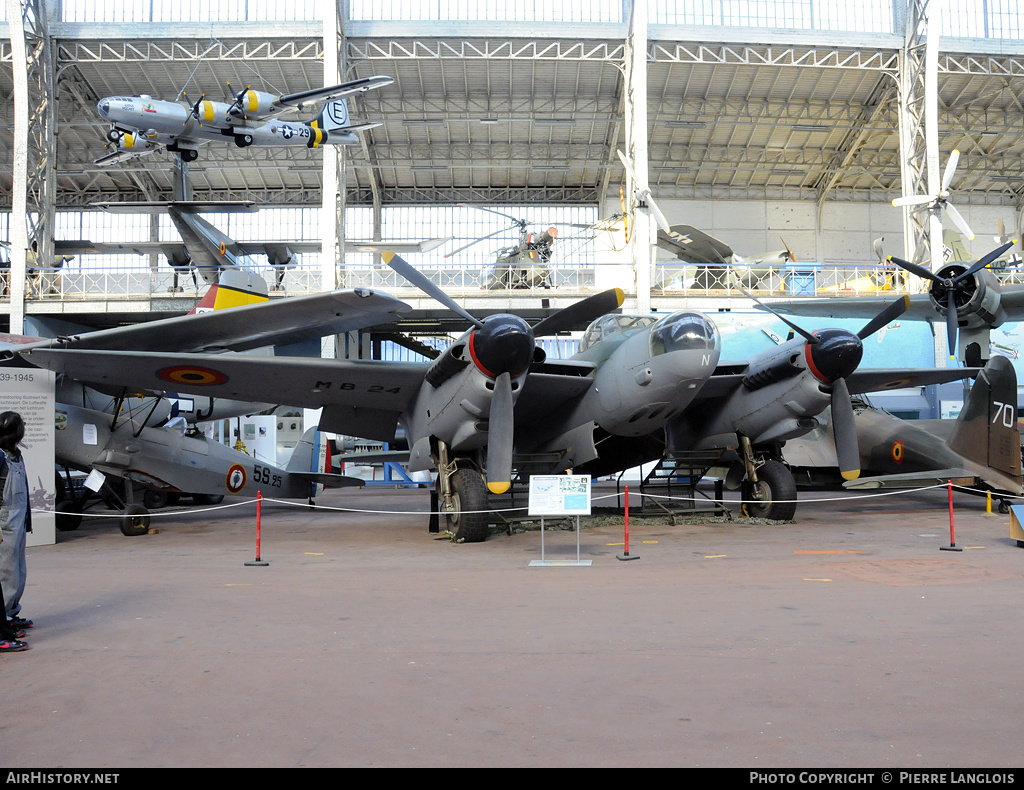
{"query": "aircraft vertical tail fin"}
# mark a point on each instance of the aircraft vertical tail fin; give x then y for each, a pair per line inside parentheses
(333, 115)
(234, 287)
(986, 431)
(311, 454)
(954, 247)
(311, 460)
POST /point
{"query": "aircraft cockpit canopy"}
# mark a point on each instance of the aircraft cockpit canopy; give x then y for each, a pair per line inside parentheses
(683, 331)
(608, 325)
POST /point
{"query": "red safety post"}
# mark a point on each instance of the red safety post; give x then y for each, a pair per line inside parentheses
(259, 510)
(625, 554)
(952, 534)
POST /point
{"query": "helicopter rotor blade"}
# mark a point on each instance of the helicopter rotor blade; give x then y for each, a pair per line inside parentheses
(477, 241)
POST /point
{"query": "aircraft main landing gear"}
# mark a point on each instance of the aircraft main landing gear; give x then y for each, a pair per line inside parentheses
(769, 490)
(463, 497)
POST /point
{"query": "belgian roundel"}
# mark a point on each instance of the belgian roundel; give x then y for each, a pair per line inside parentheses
(897, 451)
(235, 480)
(191, 374)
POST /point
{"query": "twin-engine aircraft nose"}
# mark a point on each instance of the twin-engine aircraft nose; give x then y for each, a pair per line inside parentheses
(836, 354)
(504, 344)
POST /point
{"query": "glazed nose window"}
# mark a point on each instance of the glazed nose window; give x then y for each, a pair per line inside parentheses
(683, 332)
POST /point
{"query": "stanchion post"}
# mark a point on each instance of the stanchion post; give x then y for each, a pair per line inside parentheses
(259, 510)
(952, 534)
(625, 554)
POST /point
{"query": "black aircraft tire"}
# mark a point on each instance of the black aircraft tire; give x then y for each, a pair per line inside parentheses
(207, 499)
(774, 496)
(67, 518)
(135, 521)
(154, 498)
(469, 493)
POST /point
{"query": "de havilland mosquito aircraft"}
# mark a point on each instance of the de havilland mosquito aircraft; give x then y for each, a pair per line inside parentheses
(492, 404)
(141, 124)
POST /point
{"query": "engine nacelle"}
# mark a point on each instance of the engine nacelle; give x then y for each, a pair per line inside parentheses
(212, 111)
(978, 302)
(133, 142)
(255, 103)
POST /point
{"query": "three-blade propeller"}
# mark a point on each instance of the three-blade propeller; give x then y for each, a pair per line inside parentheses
(949, 288)
(940, 200)
(832, 355)
(502, 348)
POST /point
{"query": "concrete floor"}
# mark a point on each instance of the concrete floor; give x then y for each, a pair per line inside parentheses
(846, 639)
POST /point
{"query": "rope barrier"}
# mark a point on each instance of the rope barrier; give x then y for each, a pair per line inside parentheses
(365, 511)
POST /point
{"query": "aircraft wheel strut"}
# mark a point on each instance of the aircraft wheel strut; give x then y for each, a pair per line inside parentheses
(469, 497)
(135, 521)
(773, 496)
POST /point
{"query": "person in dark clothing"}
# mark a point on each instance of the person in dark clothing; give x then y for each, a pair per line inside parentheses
(15, 516)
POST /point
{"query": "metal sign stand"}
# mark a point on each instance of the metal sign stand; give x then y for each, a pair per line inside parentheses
(559, 494)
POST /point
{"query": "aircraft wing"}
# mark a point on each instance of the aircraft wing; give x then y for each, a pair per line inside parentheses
(310, 382)
(931, 477)
(84, 246)
(187, 206)
(881, 379)
(550, 386)
(334, 91)
(693, 245)
(729, 375)
(278, 322)
(121, 156)
(920, 307)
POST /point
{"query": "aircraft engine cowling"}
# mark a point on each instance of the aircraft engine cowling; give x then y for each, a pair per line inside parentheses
(977, 304)
(256, 102)
(129, 141)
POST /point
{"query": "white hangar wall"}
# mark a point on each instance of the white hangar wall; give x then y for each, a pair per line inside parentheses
(843, 236)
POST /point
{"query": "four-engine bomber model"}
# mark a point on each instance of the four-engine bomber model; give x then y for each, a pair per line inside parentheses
(141, 124)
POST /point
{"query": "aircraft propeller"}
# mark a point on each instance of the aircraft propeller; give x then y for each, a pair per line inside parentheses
(195, 109)
(503, 347)
(236, 105)
(832, 355)
(643, 193)
(954, 286)
(789, 253)
(940, 200)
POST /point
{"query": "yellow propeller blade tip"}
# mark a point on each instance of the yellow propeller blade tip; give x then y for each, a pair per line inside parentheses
(620, 295)
(853, 474)
(387, 255)
(498, 488)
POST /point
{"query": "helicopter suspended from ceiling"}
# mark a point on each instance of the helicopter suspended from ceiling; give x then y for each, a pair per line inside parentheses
(523, 264)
